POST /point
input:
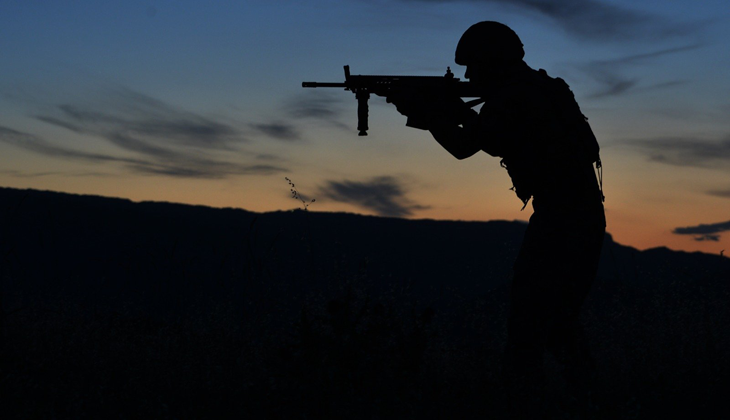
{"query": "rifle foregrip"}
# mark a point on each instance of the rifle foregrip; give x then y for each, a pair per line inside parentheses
(362, 112)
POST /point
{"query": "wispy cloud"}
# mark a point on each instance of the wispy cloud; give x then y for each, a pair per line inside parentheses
(278, 130)
(23, 174)
(180, 165)
(720, 193)
(605, 22)
(39, 145)
(704, 232)
(644, 57)
(686, 151)
(128, 114)
(592, 19)
(384, 195)
(319, 105)
(610, 77)
(153, 137)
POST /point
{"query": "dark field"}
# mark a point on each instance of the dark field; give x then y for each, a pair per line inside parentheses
(112, 309)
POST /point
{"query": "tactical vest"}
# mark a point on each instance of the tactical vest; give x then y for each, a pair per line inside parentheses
(572, 145)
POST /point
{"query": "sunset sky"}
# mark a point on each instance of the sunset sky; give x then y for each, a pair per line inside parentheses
(201, 102)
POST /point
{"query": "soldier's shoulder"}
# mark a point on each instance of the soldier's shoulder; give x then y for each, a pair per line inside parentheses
(542, 77)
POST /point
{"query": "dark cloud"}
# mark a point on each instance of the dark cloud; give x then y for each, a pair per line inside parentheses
(612, 83)
(609, 74)
(644, 57)
(703, 238)
(214, 170)
(153, 137)
(686, 151)
(703, 232)
(592, 19)
(280, 131)
(39, 145)
(60, 123)
(268, 157)
(132, 114)
(21, 174)
(176, 165)
(319, 105)
(720, 193)
(384, 195)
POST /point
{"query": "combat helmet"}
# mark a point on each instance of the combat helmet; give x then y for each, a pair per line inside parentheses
(489, 42)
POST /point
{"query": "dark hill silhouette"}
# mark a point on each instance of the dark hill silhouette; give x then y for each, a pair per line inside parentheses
(110, 308)
(113, 251)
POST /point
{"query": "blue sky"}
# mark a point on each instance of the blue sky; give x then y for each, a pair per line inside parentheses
(201, 102)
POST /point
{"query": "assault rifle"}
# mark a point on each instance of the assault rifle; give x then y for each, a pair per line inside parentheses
(363, 85)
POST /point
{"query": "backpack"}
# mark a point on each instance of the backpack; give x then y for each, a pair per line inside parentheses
(583, 142)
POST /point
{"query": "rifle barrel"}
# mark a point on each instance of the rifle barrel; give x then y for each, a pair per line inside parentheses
(318, 84)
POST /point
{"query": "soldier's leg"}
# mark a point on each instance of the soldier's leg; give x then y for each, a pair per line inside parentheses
(566, 337)
(523, 374)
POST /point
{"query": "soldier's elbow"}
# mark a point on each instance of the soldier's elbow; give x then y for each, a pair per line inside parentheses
(463, 154)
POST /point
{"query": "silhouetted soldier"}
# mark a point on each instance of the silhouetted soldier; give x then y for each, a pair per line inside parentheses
(533, 123)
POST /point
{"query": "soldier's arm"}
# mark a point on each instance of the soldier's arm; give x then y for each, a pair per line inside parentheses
(452, 123)
(461, 141)
(485, 132)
